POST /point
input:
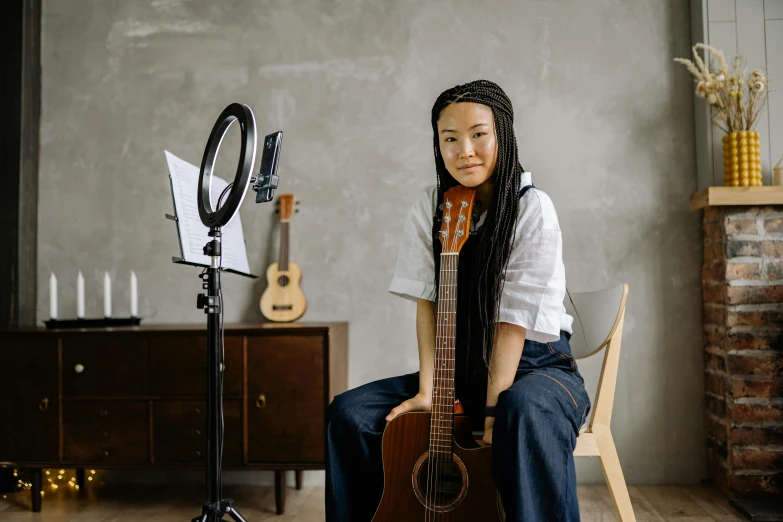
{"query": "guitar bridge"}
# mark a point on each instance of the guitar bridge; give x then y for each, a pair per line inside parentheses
(282, 307)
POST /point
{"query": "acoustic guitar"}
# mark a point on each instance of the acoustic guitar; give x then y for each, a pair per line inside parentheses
(283, 300)
(433, 468)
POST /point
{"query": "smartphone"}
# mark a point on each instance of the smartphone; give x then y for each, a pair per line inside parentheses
(266, 181)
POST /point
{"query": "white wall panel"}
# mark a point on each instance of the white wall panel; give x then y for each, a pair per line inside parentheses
(775, 70)
(721, 10)
(773, 9)
(723, 35)
(752, 45)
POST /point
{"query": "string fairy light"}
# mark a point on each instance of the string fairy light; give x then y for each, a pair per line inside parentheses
(54, 479)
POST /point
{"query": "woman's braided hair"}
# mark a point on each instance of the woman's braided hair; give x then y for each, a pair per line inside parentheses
(499, 226)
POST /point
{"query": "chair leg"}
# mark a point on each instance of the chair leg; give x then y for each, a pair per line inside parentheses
(610, 464)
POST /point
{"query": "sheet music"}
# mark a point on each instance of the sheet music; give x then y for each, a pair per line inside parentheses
(193, 233)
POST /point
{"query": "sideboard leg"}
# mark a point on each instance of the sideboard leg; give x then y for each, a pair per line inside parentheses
(299, 479)
(280, 490)
(80, 481)
(35, 489)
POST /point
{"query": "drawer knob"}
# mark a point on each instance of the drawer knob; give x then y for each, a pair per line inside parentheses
(196, 453)
(103, 413)
(44, 405)
(105, 453)
(197, 432)
(261, 401)
(78, 368)
(196, 411)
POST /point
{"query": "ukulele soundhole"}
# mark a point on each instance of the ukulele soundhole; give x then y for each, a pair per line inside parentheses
(283, 280)
(440, 484)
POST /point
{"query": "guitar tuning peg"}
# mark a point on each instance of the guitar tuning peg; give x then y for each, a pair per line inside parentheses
(296, 211)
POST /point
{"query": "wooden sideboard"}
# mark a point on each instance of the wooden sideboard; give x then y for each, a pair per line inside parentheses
(135, 397)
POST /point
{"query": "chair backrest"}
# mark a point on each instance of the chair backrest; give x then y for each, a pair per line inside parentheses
(595, 316)
(598, 324)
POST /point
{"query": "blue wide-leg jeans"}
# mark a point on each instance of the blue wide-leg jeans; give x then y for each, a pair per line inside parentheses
(536, 425)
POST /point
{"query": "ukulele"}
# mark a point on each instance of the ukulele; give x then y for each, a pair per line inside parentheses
(283, 300)
(433, 467)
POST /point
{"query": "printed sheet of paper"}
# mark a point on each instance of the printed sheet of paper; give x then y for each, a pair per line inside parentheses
(192, 232)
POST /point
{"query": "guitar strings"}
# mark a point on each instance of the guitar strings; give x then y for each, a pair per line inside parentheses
(451, 307)
(450, 327)
(433, 410)
(444, 330)
(432, 478)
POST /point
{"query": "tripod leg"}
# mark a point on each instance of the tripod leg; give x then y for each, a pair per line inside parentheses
(233, 513)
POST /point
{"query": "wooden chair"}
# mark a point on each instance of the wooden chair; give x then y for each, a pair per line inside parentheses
(598, 325)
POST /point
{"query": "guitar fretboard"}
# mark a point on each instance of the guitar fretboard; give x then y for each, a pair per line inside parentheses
(441, 423)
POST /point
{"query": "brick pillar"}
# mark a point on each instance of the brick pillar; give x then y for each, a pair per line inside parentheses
(742, 289)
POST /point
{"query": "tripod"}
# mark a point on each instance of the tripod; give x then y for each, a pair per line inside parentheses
(264, 184)
(214, 508)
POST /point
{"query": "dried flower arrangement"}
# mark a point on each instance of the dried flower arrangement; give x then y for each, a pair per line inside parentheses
(735, 98)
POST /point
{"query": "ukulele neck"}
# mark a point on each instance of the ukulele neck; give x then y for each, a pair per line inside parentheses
(282, 263)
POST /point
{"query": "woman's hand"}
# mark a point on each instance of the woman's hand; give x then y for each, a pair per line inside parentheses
(489, 423)
(419, 402)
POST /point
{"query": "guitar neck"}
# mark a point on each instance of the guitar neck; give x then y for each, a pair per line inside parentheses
(282, 263)
(441, 424)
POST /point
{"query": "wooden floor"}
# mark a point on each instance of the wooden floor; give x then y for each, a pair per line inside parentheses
(180, 504)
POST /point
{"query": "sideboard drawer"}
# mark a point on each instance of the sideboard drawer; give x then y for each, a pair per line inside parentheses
(104, 365)
(30, 429)
(29, 409)
(106, 431)
(180, 432)
(285, 376)
(178, 365)
(29, 366)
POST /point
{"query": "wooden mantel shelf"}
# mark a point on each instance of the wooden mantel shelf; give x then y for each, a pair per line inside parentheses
(727, 196)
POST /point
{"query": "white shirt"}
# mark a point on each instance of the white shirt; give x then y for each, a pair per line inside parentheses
(535, 283)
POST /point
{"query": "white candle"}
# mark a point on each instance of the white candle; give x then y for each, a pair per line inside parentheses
(106, 295)
(80, 296)
(134, 295)
(52, 297)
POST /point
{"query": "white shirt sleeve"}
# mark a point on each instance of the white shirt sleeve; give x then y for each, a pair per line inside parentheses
(414, 274)
(534, 285)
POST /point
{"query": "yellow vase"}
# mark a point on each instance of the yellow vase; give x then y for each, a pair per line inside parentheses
(741, 159)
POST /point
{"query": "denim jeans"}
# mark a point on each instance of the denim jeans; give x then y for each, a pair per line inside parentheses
(536, 425)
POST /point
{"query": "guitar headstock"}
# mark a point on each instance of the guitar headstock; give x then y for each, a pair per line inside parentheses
(285, 206)
(457, 211)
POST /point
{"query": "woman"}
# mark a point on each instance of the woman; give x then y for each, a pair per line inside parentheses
(514, 371)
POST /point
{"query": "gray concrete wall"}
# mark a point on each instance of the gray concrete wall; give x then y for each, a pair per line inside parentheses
(604, 122)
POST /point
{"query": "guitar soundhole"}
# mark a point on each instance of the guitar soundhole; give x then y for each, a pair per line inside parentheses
(283, 280)
(440, 484)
